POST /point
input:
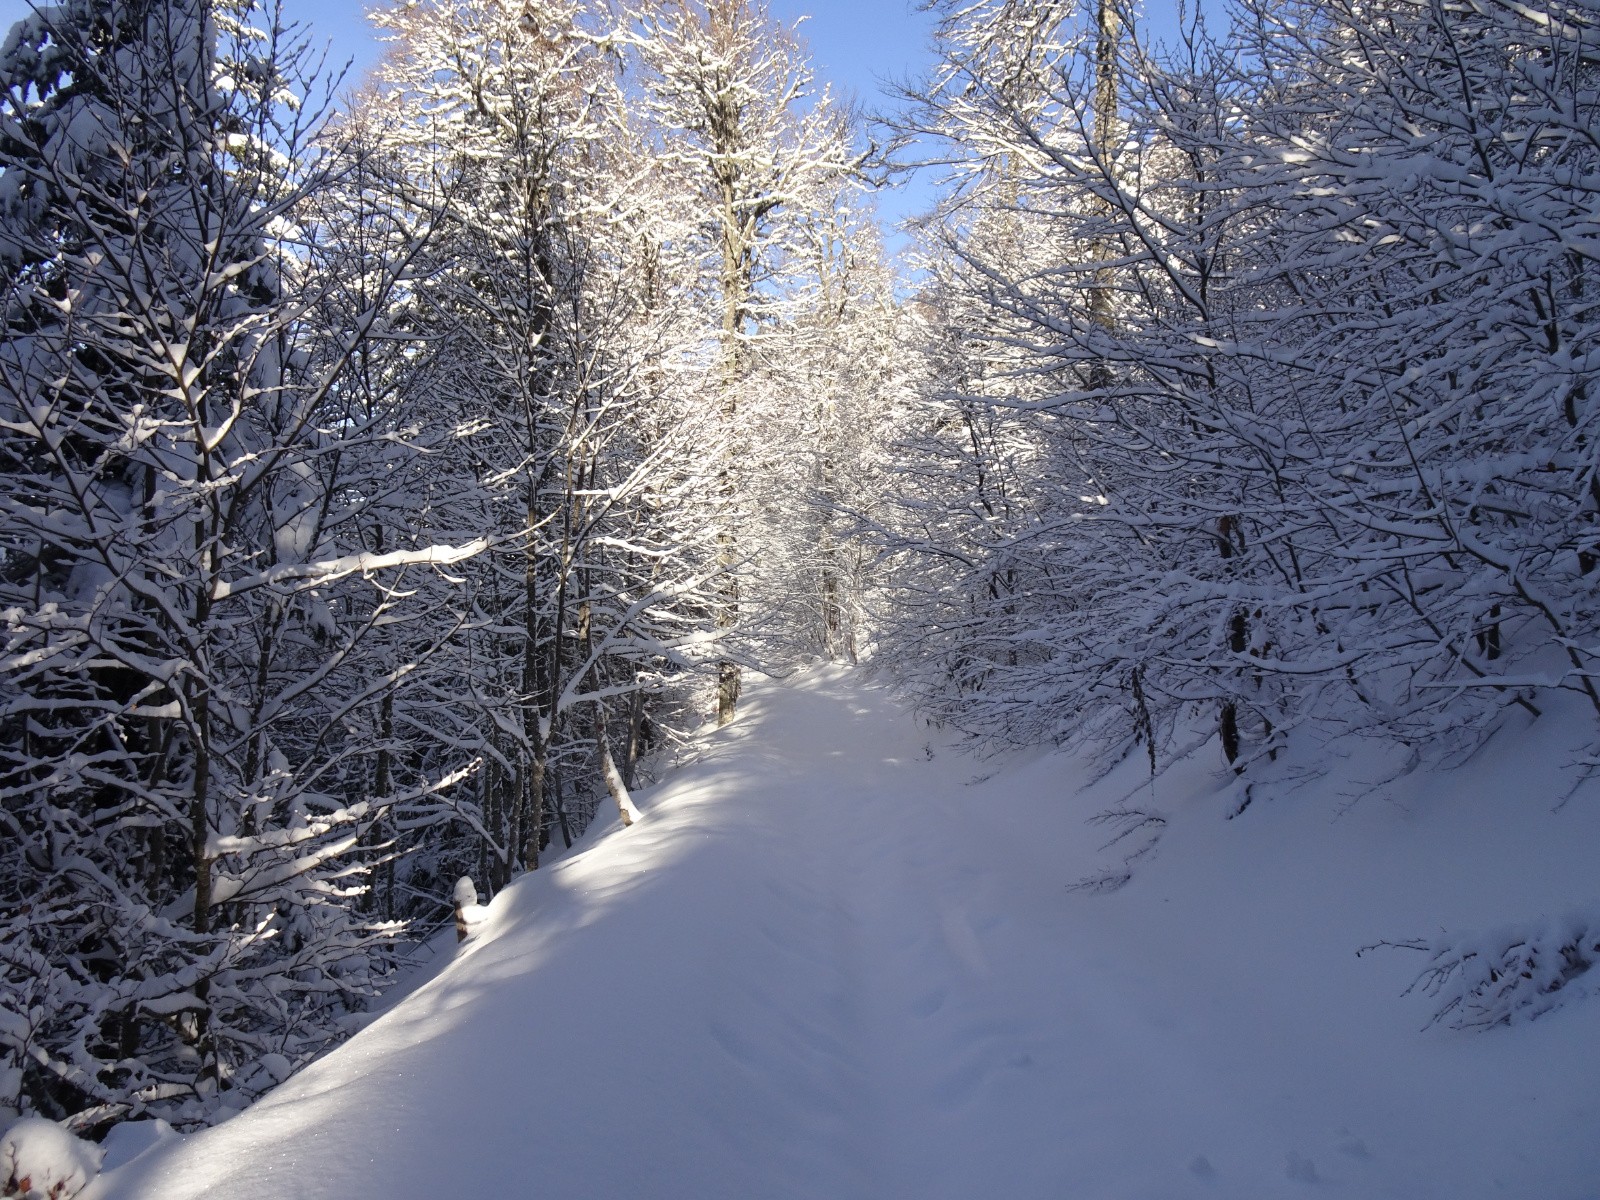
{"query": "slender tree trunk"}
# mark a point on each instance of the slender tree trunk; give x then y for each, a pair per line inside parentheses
(827, 547)
(636, 719)
(533, 833)
(555, 789)
(736, 283)
(533, 773)
(1238, 642)
(729, 681)
(205, 542)
(1108, 36)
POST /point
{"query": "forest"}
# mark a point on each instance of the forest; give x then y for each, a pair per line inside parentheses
(394, 475)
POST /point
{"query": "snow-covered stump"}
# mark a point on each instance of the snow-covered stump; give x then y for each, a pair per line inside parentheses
(469, 913)
(42, 1161)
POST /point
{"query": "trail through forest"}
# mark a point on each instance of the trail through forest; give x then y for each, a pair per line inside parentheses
(834, 962)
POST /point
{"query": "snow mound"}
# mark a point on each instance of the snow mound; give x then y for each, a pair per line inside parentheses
(42, 1161)
(470, 915)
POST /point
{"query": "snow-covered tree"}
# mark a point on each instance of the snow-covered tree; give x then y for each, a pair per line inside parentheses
(186, 597)
(552, 321)
(1281, 384)
(842, 380)
(741, 130)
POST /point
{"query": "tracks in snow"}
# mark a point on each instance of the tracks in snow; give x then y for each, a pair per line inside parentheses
(868, 1014)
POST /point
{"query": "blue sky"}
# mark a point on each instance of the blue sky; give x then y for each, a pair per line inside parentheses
(853, 41)
(856, 45)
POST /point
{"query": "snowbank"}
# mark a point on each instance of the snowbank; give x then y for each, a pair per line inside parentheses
(828, 966)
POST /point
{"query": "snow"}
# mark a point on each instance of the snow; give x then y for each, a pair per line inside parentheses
(40, 1159)
(841, 961)
(470, 915)
(130, 1139)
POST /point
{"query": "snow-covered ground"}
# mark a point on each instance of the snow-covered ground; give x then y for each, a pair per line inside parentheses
(828, 963)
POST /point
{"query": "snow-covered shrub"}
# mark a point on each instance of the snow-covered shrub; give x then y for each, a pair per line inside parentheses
(39, 1160)
(1511, 974)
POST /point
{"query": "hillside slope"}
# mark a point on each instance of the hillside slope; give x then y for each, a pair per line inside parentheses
(831, 963)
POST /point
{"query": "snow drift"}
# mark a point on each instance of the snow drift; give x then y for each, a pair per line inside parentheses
(833, 963)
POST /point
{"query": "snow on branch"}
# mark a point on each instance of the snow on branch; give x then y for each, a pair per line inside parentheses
(1509, 975)
(349, 564)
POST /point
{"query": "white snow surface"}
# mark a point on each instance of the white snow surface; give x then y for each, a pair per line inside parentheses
(831, 966)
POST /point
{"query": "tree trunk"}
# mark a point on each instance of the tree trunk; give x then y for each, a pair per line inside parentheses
(1108, 36)
(736, 281)
(636, 723)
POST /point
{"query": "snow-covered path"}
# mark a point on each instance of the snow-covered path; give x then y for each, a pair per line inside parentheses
(828, 965)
